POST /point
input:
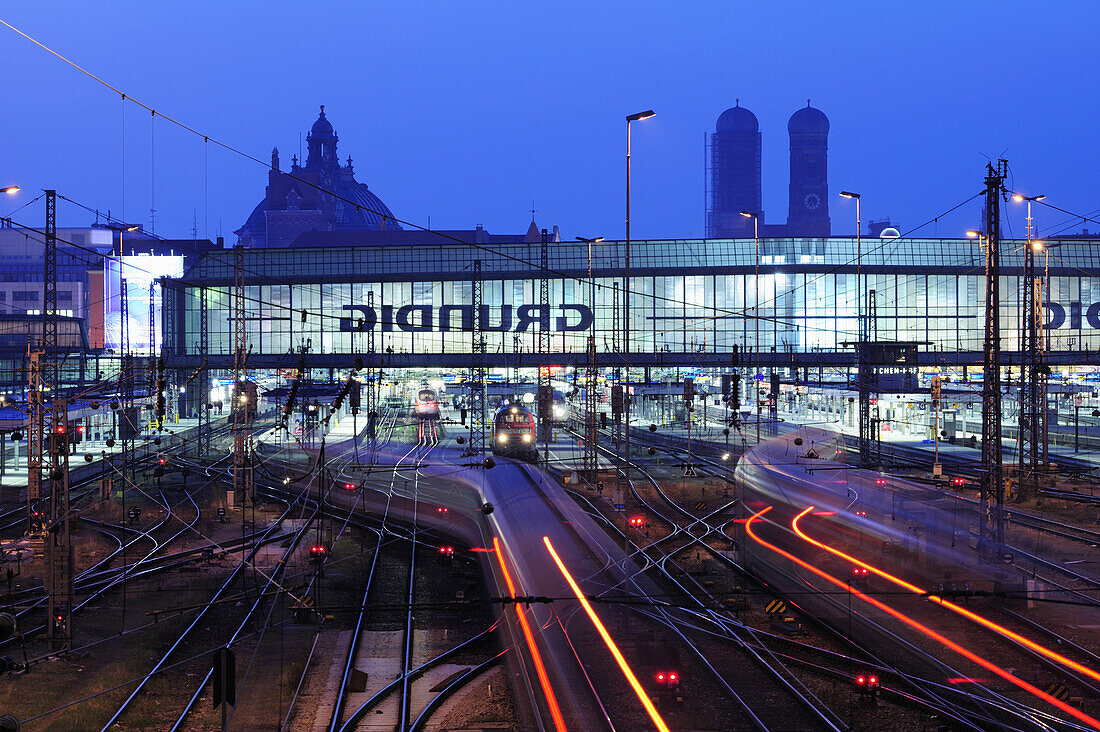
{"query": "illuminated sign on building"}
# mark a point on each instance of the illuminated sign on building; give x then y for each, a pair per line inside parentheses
(142, 291)
(425, 318)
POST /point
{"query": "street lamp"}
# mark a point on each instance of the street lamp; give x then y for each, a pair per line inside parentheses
(638, 117)
(859, 264)
(755, 216)
(9, 189)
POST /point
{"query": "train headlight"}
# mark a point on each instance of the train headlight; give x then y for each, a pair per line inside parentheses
(526, 438)
(502, 439)
(559, 412)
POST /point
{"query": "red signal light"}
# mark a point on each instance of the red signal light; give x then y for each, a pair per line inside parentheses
(873, 681)
(860, 680)
(672, 677)
(880, 481)
(80, 429)
(60, 430)
(349, 486)
(661, 678)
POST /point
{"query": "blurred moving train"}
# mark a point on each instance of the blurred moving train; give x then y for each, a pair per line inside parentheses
(514, 433)
(426, 406)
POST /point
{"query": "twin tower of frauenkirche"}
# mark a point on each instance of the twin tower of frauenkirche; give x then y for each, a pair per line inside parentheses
(734, 176)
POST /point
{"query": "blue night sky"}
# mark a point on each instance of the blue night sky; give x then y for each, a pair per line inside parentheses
(471, 112)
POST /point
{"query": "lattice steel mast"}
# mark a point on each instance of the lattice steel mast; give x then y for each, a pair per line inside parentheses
(58, 540)
(243, 485)
(374, 382)
(477, 371)
(1032, 443)
(544, 342)
(992, 487)
(204, 374)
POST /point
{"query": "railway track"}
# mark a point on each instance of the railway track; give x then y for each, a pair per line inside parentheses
(1003, 705)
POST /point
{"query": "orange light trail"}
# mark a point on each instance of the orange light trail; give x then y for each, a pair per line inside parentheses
(540, 669)
(643, 697)
(943, 640)
(996, 628)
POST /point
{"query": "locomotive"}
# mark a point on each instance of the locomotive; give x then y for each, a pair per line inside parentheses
(427, 406)
(514, 433)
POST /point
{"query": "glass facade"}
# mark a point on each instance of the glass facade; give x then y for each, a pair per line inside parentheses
(688, 296)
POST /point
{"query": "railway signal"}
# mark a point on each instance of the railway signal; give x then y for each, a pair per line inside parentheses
(349, 486)
(637, 522)
(667, 680)
(447, 551)
(958, 482)
(318, 552)
(867, 686)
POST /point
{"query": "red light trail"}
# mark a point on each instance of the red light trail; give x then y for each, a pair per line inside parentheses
(540, 669)
(985, 622)
(643, 697)
(923, 629)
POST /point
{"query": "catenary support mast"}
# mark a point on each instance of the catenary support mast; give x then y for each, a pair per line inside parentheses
(991, 533)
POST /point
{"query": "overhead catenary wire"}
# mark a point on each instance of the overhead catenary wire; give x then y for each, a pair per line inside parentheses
(230, 148)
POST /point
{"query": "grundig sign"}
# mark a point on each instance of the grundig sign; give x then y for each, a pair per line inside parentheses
(426, 318)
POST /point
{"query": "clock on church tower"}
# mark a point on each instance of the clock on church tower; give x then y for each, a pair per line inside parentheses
(809, 188)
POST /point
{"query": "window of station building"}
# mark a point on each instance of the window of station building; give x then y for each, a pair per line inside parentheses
(24, 296)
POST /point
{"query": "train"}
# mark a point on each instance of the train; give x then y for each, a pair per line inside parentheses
(559, 410)
(514, 433)
(427, 405)
(246, 397)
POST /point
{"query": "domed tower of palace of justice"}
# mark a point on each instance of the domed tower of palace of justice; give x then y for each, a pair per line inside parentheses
(303, 200)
